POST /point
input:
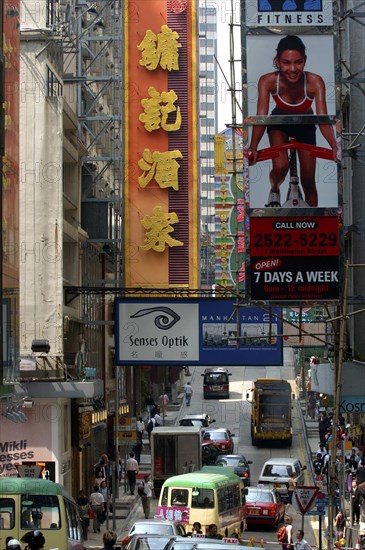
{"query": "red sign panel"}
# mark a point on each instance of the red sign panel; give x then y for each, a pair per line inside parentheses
(294, 258)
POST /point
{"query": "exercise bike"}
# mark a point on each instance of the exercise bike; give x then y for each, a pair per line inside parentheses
(294, 197)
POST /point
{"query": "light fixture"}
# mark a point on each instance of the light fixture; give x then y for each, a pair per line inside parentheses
(40, 346)
(28, 403)
(99, 24)
(20, 415)
(10, 415)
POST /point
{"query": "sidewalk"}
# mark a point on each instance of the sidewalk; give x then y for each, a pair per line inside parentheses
(126, 502)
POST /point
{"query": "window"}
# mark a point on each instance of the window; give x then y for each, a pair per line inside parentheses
(179, 497)
(54, 85)
(204, 498)
(40, 512)
(7, 513)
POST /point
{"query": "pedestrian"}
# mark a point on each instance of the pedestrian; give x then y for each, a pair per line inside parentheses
(158, 418)
(13, 544)
(109, 540)
(355, 502)
(197, 528)
(360, 472)
(289, 533)
(321, 450)
(132, 469)
(149, 427)
(318, 465)
(85, 515)
(292, 483)
(137, 449)
(340, 524)
(188, 394)
(323, 425)
(301, 543)
(140, 428)
(99, 478)
(97, 505)
(213, 532)
(34, 540)
(147, 496)
(150, 403)
(164, 401)
(103, 490)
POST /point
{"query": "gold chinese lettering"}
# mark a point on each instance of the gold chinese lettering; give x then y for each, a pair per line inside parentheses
(162, 167)
(159, 227)
(161, 49)
(157, 109)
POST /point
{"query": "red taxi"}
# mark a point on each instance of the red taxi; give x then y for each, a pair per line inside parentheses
(264, 506)
(220, 438)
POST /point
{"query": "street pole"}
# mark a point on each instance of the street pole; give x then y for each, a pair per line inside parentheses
(116, 452)
(339, 351)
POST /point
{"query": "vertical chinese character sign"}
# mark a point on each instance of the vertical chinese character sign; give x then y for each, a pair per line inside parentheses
(160, 185)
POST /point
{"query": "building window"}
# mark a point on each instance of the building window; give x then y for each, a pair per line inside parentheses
(51, 12)
(54, 86)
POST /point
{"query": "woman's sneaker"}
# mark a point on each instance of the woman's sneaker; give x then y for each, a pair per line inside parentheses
(273, 200)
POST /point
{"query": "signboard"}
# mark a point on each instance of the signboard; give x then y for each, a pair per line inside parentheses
(182, 515)
(204, 332)
(127, 435)
(294, 259)
(127, 423)
(29, 471)
(274, 13)
(304, 498)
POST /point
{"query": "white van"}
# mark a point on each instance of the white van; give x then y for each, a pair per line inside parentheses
(277, 471)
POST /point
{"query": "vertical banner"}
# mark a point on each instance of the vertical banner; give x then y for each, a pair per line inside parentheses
(292, 151)
(160, 187)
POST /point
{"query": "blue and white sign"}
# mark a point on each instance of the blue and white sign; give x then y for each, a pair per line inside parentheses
(205, 332)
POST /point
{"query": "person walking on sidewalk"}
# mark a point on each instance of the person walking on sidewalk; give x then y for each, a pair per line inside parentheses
(132, 469)
(97, 504)
(140, 427)
(301, 543)
(188, 394)
(164, 401)
(109, 540)
(147, 496)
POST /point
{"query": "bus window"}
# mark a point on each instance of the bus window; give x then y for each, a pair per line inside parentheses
(179, 497)
(164, 496)
(39, 511)
(204, 498)
(7, 513)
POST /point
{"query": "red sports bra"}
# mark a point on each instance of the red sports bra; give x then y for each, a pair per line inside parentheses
(301, 107)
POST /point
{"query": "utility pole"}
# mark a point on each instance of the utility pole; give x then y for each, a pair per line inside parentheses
(340, 342)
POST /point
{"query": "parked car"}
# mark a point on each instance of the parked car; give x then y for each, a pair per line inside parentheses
(153, 542)
(153, 527)
(221, 438)
(240, 465)
(276, 473)
(201, 420)
(264, 506)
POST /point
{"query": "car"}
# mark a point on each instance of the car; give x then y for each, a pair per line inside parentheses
(216, 383)
(153, 542)
(240, 465)
(276, 473)
(153, 527)
(221, 438)
(200, 420)
(202, 543)
(264, 506)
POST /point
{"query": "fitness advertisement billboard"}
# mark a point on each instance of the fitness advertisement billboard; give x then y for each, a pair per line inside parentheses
(190, 332)
(304, 175)
(294, 259)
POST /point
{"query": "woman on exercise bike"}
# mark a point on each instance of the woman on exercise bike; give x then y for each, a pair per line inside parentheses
(293, 90)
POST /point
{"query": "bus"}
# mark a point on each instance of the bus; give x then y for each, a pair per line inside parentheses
(27, 504)
(208, 496)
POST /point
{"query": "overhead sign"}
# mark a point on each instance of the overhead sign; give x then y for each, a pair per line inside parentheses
(204, 332)
(29, 471)
(305, 497)
(294, 259)
(274, 13)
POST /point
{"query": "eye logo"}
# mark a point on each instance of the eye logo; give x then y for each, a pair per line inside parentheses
(167, 319)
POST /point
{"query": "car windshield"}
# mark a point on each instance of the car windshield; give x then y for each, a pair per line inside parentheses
(151, 543)
(259, 496)
(216, 378)
(277, 470)
(191, 422)
(152, 528)
(216, 435)
(231, 461)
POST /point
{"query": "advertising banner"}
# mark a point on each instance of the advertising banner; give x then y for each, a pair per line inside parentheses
(294, 258)
(291, 153)
(286, 13)
(205, 332)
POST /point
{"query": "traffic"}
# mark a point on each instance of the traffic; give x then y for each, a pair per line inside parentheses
(228, 488)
